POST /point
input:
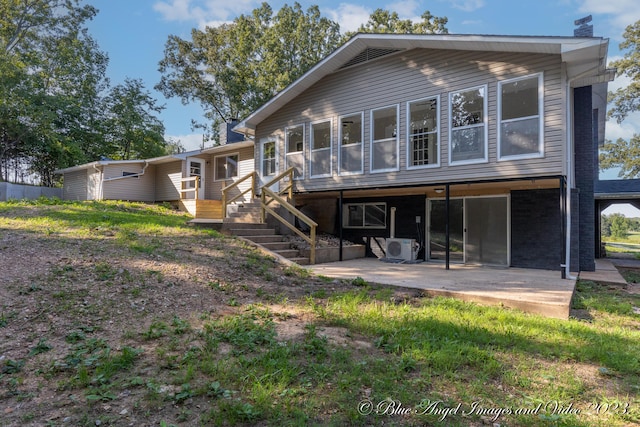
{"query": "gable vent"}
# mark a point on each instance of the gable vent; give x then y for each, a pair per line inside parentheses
(369, 54)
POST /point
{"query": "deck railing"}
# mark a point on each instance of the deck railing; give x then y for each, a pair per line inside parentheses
(267, 196)
(183, 191)
(226, 200)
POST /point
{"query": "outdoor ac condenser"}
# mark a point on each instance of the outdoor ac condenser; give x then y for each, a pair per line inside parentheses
(401, 249)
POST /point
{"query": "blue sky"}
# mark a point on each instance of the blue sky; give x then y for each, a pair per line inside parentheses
(134, 32)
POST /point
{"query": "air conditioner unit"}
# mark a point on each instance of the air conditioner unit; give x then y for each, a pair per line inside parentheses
(401, 249)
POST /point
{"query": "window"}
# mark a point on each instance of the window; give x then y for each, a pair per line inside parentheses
(468, 126)
(384, 139)
(226, 167)
(520, 106)
(365, 215)
(321, 142)
(351, 145)
(423, 134)
(131, 174)
(268, 158)
(294, 142)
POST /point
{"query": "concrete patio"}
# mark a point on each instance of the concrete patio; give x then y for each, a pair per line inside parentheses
(541, 292)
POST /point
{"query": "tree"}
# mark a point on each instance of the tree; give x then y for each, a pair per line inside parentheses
(622, 153)
(132, 128)
(619, 226)
(384, 21)
(51, 73)
(233, 69)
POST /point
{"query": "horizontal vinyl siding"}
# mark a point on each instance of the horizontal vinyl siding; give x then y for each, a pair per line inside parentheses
(168, 181)
(75, 185)
(414, 75)
(141, 189)
(245, 166)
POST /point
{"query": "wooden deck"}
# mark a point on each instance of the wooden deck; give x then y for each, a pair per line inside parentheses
(203, 209)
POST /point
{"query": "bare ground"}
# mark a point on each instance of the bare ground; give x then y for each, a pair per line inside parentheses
(57, 286)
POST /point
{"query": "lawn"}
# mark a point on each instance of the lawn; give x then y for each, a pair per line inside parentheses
(117, 313)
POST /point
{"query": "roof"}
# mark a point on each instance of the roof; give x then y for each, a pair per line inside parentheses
(585, 59)
(155, 160)
(158, 160)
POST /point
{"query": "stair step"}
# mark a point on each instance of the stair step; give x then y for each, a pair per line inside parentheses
(244, 225)
(288, 253)
(255, 218)
(244, 232)
(300, 261)
(276, 246)
(272, 238)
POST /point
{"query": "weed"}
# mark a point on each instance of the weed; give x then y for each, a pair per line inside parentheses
(12, 366)
(156, 330)
(359, 281)
(41, 347)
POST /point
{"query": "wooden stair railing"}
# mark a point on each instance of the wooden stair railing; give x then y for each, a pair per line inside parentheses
(267, 196)
(183, 190)
(226, 190)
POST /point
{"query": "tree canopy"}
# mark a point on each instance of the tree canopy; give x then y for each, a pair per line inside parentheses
(56, 106)
(625, 154)
(233, 69)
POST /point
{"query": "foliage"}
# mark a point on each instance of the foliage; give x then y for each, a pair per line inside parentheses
(56, 108)
(233, 69)
(384, 21)
(621, 153)
(132, 129)
(616, 225)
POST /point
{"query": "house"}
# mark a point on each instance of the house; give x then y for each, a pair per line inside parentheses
(192, 181)
(455, 148)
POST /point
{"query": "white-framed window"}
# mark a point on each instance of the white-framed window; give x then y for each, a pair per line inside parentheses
(226, 167)
(423, 133)
(364, 215)
(294, 143)
(268, 158)
(468, 126)
(521, 117)
(351, 144)
(321, 142)
(384, 139)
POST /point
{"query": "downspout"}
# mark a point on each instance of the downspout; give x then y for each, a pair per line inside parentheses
(101, 181)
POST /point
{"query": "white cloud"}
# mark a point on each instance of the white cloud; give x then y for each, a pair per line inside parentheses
(349, 16)
(203, 12)
(468, 5)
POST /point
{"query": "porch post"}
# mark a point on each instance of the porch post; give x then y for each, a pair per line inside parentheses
(563, 226)
(446, 226)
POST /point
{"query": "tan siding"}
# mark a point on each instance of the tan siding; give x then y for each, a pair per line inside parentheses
(94, 184)
(75, 185)
(168, 176)
(141, 189)
(245, 166)
(417, 74)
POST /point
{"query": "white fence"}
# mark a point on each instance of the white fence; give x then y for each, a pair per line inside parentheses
(16, 191)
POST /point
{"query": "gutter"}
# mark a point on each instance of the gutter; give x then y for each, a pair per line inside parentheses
(135, 175)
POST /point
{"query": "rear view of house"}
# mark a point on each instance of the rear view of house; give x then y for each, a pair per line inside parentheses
(453, 148)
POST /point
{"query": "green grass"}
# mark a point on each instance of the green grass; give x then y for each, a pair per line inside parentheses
(321, 356)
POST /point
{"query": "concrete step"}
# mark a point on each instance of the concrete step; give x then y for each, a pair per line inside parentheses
(275, 238)
(300, 260)
(244, 232)
(244, 225)
(239, 218)
(288, 253)
(276, 246)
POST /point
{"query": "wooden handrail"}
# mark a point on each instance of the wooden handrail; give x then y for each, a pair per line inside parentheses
(182, 191)
(276, 196)
(295, 212)
(225, 190)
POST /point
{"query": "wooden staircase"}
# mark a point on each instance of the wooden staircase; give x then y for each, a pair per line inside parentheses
(246, 223)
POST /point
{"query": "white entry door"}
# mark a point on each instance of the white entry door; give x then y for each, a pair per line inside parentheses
(196, 168)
